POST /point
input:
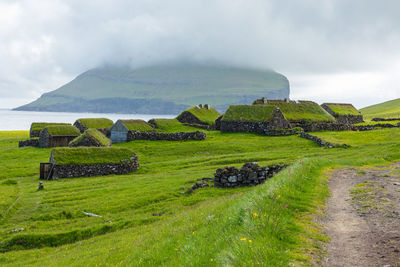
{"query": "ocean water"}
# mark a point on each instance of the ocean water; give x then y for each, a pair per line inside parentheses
(11, 120)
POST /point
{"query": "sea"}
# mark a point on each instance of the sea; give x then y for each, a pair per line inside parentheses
(12, 120)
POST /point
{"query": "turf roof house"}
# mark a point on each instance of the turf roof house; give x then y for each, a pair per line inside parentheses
(91, 137)
(262, 119)
(37, 127)
(101, 124)
(119, 131)
(199, 115)
(88, 161)
(344, 113)
(57, 135)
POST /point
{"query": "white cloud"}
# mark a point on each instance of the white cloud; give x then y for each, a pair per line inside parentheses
(329, 49)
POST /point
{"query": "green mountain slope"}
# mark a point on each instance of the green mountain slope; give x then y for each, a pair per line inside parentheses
(389, 109)
(162, 89)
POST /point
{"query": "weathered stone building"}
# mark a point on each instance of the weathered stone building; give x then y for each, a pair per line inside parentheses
(57, 135)
(119, 131)
(343, 113)
(101, 124)
(91, 137)
(199, 115)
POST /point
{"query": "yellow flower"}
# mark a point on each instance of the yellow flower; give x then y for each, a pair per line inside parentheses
(211, 259)
(243, 239)
(255, 214)
(192, 233)
(249, 241)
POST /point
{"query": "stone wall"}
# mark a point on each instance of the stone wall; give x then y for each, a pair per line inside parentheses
(372, 127)
(152, 136)
(85, 170)
(200, 126)
(321, 142)
(349, 119)
(260, 127)
(34, 133)
(249, 174)
(218, 123)
(187, 117)
(382, 119)
(29, 142)
(323, 126)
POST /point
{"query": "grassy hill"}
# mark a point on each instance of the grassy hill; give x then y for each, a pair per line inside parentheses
(162, 89)
(149, 218)
(389, 109)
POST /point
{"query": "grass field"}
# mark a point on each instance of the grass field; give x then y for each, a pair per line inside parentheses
(149, 219)
(389, 109)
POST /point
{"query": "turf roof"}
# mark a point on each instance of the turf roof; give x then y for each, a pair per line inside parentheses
(63, 130)
(38, 126)
(94, 134)
(252, 113)
(91, 155)
(343, 109)
(137, 125)
(205, 115)
(303, 111)
(96, 122)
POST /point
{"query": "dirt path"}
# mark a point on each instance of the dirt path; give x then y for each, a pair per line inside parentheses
(363, 219)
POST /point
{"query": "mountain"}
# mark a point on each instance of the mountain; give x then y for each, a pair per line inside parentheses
(389, 109)
(161, 89)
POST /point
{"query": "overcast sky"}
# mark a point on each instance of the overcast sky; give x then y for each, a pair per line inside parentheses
(330, 50)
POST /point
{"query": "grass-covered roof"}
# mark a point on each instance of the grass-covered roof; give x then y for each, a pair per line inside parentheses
(96, 122)
(171, 126)
(343, 109)
(252, 113)
(303, 111)
(63, 130)
(137, 125)
(206, 115)
(38, 126)
(93, 134)
(90, 155)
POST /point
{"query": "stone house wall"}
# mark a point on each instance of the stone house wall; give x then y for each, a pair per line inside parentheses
(47, 140)
(30, 142)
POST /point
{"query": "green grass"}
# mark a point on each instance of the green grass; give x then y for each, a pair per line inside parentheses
(389, 109)
(378, 122)
(60, 130)
(94, 134)
(91, 155)
(137, 125)
(171, 126)
(38, 126)
(211, 226)
(303, 111)
(252, 113)
(205, 115)
(97, 123)
(343, 109)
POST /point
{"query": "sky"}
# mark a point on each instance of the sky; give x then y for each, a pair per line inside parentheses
(330, 50)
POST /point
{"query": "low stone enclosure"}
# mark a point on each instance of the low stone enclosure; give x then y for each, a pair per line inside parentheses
(248, 175)
(344, 113)
(382, 119)
(321, 142)
(375, 126)
(153, 136)
(103, 161)
(30, 142)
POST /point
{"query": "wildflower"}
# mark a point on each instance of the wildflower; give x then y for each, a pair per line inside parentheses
(285, 206)
(255, 214)
(192, 233)
(243, 239)
(211, 259)
(250, 241)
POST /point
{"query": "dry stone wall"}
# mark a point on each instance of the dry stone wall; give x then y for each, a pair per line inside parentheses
(85, 170)
(29, 142)
(153, 136)
(249, 174)
(321, 142)
(323, 126)
(373, 127)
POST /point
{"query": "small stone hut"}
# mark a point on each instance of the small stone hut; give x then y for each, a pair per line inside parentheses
(101, 124)
(91, 137)
(37, 127)
(119, 131)
(88, 161)
(262, 119)
(57, 135)
(200, 114)
(344, 113)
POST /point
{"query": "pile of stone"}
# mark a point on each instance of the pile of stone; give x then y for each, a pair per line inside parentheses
(374, 126)
(152, 136)
(201, 183)
(248, 175)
